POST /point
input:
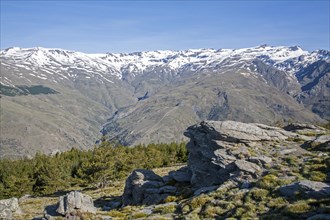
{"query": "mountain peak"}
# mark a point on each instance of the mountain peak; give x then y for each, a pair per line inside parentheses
(295, 48)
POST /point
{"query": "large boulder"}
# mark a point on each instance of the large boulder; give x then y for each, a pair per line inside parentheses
(144, 187)
(8, 207)
(73, 202)
(219, 151)
(263, 160)
(233, 131)
(321, 143)
(248, 167)
(181, 175)
(304, 128)
(306, 189)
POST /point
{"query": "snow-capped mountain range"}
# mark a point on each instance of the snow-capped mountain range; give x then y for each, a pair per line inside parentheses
(57, 61)
(59, 99)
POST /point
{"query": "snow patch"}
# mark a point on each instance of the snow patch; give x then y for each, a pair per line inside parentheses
(245, 74)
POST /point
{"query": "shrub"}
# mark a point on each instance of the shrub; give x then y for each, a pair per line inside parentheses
(291, 161)
(212, 211)
(239, 212)
(317, 176)
(165, 209)
(277, 202)
(297, 208)
(170, 199)
(199, 201)
(259, 194)
(269, 182)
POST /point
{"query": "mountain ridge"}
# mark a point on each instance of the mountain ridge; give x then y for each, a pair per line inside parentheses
(112, 63)
(154, 95)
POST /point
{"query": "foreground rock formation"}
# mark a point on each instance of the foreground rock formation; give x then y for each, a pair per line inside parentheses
(222, 151)
(219, 151)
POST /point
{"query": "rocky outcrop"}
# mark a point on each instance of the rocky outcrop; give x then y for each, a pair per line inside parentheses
(321, 143)
(306, 189)
(298, 127)
(236, 132)
(306, 129)
(145, 187)
(73, 202)
(8, 207)
(261, 160)
(220, 150)
(224, 152)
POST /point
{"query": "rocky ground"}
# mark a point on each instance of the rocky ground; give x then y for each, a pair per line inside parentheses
(235, 170)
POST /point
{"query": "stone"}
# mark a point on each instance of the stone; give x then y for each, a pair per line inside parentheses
(298, 126)
(154, 199)
(245, 185)
(232, 131)
(321, 142)
(147, 210)
(168, 189)
(322, 139)
(287, 151)
(181, 175)
(142, 186)
(247, 166)
(205, 190)
(222, 154)
(114, 205)
(168, 178)
(306, 189)
(152, 184)
(75, 201)
(152, 191)
(50, 212)
(48, 216)
(9, 207)
(261, 159)
(319, 217)
(242, 150)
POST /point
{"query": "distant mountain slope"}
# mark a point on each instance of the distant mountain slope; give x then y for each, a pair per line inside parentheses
(315, 86)
(152, 96)
(238, 95)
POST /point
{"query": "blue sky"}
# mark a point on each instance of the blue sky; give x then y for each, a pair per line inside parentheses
(127, 26)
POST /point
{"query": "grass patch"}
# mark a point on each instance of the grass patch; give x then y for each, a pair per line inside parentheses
(165, 209)
(199, 201)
